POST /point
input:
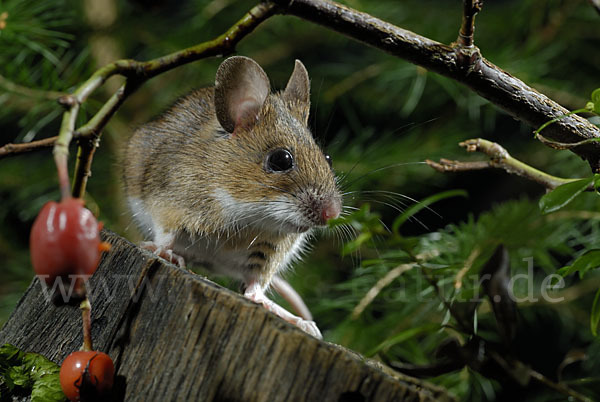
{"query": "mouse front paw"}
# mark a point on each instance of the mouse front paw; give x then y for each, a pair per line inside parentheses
(165, 253)
(255, 293)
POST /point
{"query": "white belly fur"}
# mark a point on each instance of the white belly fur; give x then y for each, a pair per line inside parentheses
(216, 253)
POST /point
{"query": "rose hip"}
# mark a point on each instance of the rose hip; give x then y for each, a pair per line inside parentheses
(87, 375)
(65, 241)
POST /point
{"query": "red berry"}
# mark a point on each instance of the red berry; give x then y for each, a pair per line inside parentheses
(64, 240)
(86, 375)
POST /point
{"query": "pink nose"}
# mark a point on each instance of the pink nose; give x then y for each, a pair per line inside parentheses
(331, 210)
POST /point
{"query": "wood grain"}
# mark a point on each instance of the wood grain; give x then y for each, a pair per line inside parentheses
(176, 336)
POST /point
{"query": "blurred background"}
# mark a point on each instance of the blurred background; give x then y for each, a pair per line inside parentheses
(379, 118)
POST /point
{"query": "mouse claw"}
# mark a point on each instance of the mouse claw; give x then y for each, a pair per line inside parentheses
(310, 327)
(164, 253)
(175, 258)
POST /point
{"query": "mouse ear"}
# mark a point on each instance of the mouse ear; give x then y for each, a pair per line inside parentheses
(241, 88)
(298, 87)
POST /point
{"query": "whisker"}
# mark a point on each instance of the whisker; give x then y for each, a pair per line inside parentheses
(392, 195)
(381, 169)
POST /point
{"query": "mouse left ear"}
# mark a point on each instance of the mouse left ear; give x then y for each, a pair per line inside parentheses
(298, 87)
(241, 88)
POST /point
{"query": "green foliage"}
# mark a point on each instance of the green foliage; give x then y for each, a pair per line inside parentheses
(412, 281)
(38, 27)
(594, 104)
(38, 59)
(32, 374)
(564, 194)
(590, 259)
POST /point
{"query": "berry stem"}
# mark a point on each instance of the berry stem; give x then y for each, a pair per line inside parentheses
(86, 315)
(63, 175)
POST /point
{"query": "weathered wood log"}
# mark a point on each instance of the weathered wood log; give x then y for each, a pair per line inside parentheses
(176, 336)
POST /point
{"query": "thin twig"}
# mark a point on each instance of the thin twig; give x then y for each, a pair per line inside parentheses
(83, 166)
(521, 372)
(500, 159)
(468, 264)
(14, 149)
(387, 279)
(378, 287)
(467, 29)
(90, 135)
(558, 118)
(94, 126)
(65, 135)
(448, 165)
(563, 389)
(86, 316)
(562, 145)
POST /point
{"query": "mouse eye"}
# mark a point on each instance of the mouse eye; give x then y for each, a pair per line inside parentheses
(279, 160)
(328, 159)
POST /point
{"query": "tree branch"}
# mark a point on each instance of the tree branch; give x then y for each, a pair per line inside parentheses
(14, 149)
(448, 165)
(467, 29)
(90, 134)
(137, 73)
(559, 387)
(500, 159)
(478, 74)
(483, 77)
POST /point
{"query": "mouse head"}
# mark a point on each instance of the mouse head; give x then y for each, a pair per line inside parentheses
(280, 180)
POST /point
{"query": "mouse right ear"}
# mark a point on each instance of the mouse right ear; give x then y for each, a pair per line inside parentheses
(241, 88)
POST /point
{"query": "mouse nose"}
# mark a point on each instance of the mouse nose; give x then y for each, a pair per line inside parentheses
(331, 210)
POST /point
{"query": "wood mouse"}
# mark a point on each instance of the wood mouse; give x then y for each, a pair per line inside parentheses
(231, 178)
